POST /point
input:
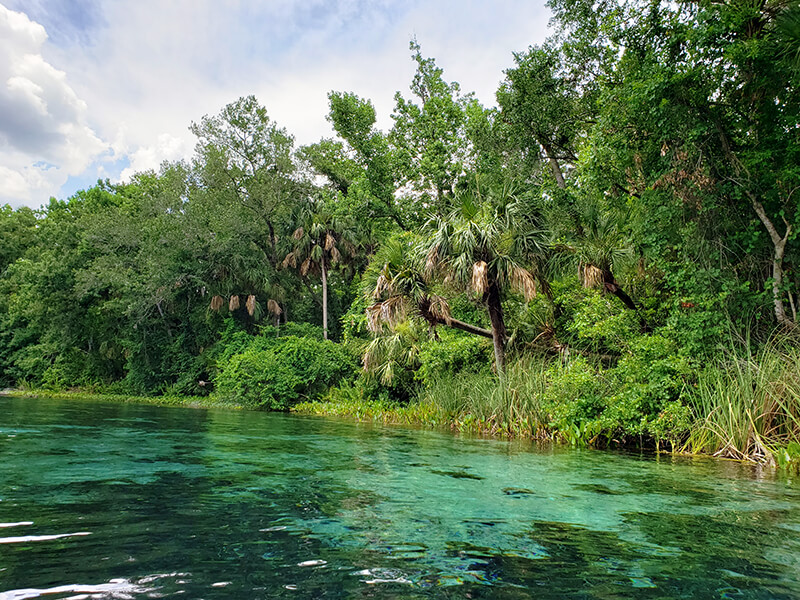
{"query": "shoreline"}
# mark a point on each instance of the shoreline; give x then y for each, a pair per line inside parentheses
(417, 415)
(167, 401)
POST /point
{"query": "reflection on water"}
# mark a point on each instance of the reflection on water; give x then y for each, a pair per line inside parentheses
(249, 505)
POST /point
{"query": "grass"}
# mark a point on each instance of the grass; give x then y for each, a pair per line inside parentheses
(512, 407)
(469, 403)
(748, 405)
(187, 401)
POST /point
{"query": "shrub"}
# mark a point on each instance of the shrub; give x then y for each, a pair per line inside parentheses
(453, 354)
(275, 374)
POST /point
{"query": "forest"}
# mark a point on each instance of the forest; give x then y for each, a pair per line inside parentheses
(607, 256)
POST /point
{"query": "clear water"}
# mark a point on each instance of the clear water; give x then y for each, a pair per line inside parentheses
(122, 501)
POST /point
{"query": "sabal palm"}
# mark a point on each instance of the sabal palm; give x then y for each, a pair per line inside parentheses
(398, 288)
(323, 240)
(598, 248)
(487, 244)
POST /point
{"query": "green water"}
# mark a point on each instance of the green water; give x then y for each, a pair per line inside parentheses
(122, 501)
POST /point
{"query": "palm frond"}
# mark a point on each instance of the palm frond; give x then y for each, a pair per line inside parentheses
(480, 278)
(273, 307)
(523, 282)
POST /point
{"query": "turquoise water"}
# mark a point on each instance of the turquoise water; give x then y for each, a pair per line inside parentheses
(124, 501)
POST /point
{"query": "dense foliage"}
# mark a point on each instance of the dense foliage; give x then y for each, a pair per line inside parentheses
(584, 256)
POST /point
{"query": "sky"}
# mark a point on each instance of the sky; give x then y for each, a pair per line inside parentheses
(102, 89)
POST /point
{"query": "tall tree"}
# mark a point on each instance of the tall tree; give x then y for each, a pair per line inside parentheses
(430, 134)
(542, 108)
(321, 242)
(243, 152)
(485, 245)
(354, 118)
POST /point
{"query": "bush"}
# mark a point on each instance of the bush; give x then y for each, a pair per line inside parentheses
(453, 354)
(275, 374)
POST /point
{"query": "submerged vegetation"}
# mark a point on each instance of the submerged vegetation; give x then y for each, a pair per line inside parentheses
(608, 257)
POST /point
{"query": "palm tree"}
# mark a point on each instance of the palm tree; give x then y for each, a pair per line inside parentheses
(322, 241)
(398, 288)
(598, 247)
(487, 244)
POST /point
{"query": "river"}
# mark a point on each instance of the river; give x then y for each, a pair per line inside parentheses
(130, 501)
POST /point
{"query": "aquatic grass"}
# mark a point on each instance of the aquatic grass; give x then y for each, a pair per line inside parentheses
(352, 401)
(747, 406)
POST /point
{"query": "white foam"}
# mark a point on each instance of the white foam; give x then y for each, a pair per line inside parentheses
(115, 587)
(40, 538)
(312, 563)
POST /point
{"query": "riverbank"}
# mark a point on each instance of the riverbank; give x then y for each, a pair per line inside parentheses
(184, 401)
(746, 406)
(745, 409)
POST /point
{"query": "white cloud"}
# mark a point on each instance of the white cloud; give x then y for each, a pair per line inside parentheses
(147, 69)
(144, 158)
(44, 136)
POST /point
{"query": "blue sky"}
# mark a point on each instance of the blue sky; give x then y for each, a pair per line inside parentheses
(104, 88)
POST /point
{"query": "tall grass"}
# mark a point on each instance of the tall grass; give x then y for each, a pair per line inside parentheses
(747, 406)
(468, 402)
(484, 403)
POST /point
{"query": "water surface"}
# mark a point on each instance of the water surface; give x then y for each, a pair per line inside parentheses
(126, 501)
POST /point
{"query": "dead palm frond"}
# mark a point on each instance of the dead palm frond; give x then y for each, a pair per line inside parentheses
(233, 304)
(524, 282)
(251, 305)
(480, 278)
(274, 308)
(216, 303)
(439, 308)
(591, 276)
(290, 261)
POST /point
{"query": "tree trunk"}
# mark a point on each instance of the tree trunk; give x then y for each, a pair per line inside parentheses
(554, 166)
(779, 246)
(610, 285)
(424, 307)
(324, 299)
(468, 327)
(495, 308)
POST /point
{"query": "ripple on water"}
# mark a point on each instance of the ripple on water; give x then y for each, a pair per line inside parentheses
(41, 538)
(255, 505)
(115, 588)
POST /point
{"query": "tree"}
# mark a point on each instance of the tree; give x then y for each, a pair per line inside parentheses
(697, 106)
(486, 244)
(241, 151)
(322, 241)
(18, 231)
(542, 109)
(353, 118)
(396, 284)
(430, 135)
